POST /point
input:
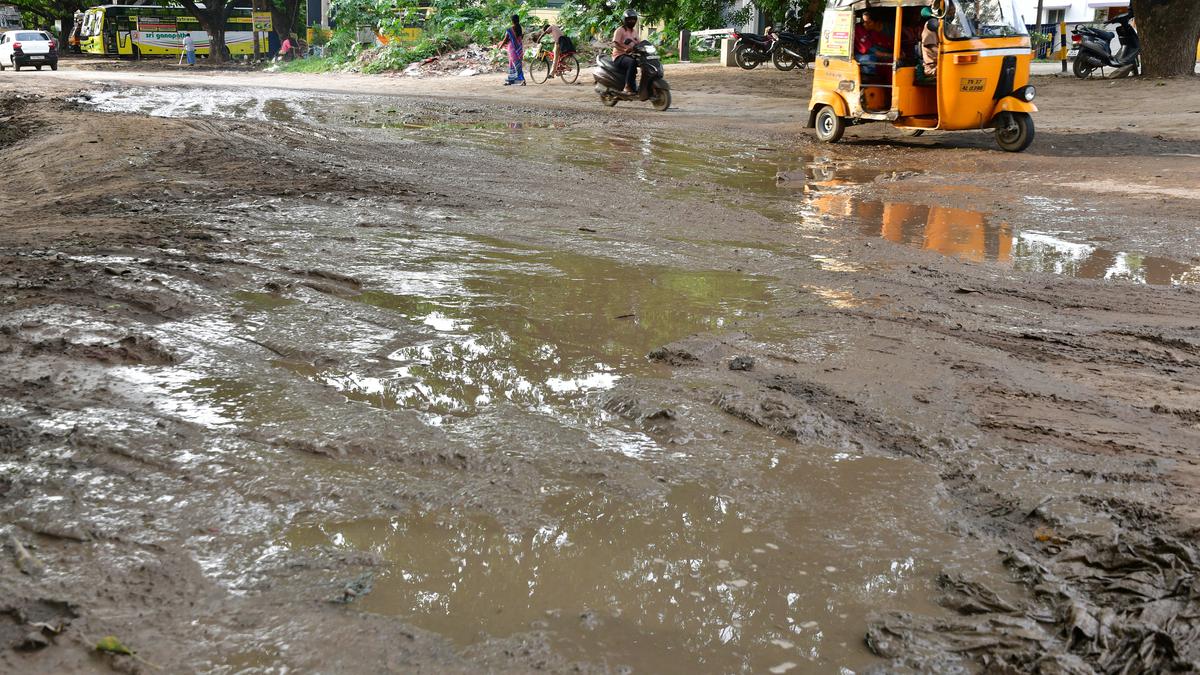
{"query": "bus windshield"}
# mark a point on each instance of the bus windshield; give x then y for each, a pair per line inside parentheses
(987, 18)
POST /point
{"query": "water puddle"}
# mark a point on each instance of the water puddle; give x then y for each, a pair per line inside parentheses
(692, 581)
(801, 188)
(797, 188)
(978, 237)
(272, 105)
(539, 329)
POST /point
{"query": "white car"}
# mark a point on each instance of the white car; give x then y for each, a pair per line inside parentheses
(21, 48)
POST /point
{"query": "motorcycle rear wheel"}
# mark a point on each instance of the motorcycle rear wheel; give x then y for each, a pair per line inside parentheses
(741, 56)
(1084, 67)
(783, 60)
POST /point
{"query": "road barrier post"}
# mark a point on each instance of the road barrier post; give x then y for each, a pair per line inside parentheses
(1062, 31)
(685, 46)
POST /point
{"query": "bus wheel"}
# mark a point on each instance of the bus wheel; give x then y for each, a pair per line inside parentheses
(1014, 131)
(830, 127)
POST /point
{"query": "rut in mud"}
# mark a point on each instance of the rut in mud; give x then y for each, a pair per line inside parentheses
(272, 395)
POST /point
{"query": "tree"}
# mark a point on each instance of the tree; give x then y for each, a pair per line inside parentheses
(1169, 30)
(50, 11)
(212, 17)
(284, 16)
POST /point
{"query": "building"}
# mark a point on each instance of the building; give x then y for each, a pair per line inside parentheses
(10, 17)
(1072, 12)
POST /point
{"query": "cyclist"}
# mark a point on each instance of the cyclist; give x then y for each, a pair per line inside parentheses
(562, 44)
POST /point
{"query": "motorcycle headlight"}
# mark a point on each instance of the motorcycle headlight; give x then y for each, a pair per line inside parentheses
(651, 50)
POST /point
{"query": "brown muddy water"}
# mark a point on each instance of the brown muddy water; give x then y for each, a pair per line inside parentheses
(747, 553)
(799, 189)
(752, 553)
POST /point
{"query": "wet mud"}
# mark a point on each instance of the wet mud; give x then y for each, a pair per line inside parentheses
(294, 380)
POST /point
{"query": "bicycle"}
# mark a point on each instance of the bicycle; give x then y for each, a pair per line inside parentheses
(539, 66)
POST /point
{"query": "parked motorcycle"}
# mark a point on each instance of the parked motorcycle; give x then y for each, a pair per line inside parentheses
(751, 49)
(610, 80)
(796, 49)
(1095, 52)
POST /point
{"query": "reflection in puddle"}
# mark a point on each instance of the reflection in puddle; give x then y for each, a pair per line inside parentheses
(687, 582)
(972, 235)
(795, 187)
(534, 328)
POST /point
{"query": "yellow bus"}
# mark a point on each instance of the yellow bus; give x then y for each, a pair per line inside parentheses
(149, 30)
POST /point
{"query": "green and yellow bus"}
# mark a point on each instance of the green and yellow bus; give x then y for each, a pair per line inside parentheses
(150, 30)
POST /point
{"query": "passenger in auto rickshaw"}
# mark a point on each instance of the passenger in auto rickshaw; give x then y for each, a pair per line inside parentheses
(929, 44)
(873, 45)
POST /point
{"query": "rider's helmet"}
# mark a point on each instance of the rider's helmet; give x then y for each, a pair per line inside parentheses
(630, 17)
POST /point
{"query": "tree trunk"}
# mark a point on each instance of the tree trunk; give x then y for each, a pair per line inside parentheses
(212, 19)
(216, 43)
(284, 20)
(1169, 30)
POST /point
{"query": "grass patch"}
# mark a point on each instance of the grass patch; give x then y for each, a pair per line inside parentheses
(317, 64)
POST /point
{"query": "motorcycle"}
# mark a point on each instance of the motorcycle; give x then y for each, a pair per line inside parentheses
(796, 49)
(751, 49)
(1096, 54)
(610, 80)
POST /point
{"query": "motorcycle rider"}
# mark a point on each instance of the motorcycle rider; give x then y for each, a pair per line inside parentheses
(625, 38)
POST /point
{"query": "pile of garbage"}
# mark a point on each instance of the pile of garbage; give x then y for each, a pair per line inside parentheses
(471, 60)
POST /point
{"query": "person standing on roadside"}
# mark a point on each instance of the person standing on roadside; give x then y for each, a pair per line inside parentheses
(189, 48)
(516, 52)
(625, 38)
(287, 51)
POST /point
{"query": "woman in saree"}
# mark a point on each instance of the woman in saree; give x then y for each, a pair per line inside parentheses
(516, 52)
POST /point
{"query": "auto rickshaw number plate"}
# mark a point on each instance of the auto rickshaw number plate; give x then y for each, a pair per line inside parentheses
(973, 84)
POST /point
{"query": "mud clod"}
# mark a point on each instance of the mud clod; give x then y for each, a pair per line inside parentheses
(742, 363)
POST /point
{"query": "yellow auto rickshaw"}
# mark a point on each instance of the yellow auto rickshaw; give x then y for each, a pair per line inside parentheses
(924, 64)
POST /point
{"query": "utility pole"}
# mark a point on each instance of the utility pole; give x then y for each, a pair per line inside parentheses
(1039, 19)
(254, 27)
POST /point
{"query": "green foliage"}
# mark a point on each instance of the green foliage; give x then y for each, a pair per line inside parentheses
(483, 20)
(445, 25)
(312, 64)
(586, 19)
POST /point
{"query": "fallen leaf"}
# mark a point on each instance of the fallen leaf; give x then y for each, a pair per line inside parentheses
(112, 645)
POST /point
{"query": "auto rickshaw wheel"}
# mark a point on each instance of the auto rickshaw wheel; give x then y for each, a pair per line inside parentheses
(1014, 131)
(912, 133)
(830, 126)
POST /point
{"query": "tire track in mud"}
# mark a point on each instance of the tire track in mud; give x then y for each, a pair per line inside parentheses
(1105, 578)
(1078, 482)
(126, 505)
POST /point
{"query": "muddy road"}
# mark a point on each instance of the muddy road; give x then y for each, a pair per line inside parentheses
(350, 374)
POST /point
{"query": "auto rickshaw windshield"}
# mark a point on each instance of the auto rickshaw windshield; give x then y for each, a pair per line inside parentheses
(987, 18)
